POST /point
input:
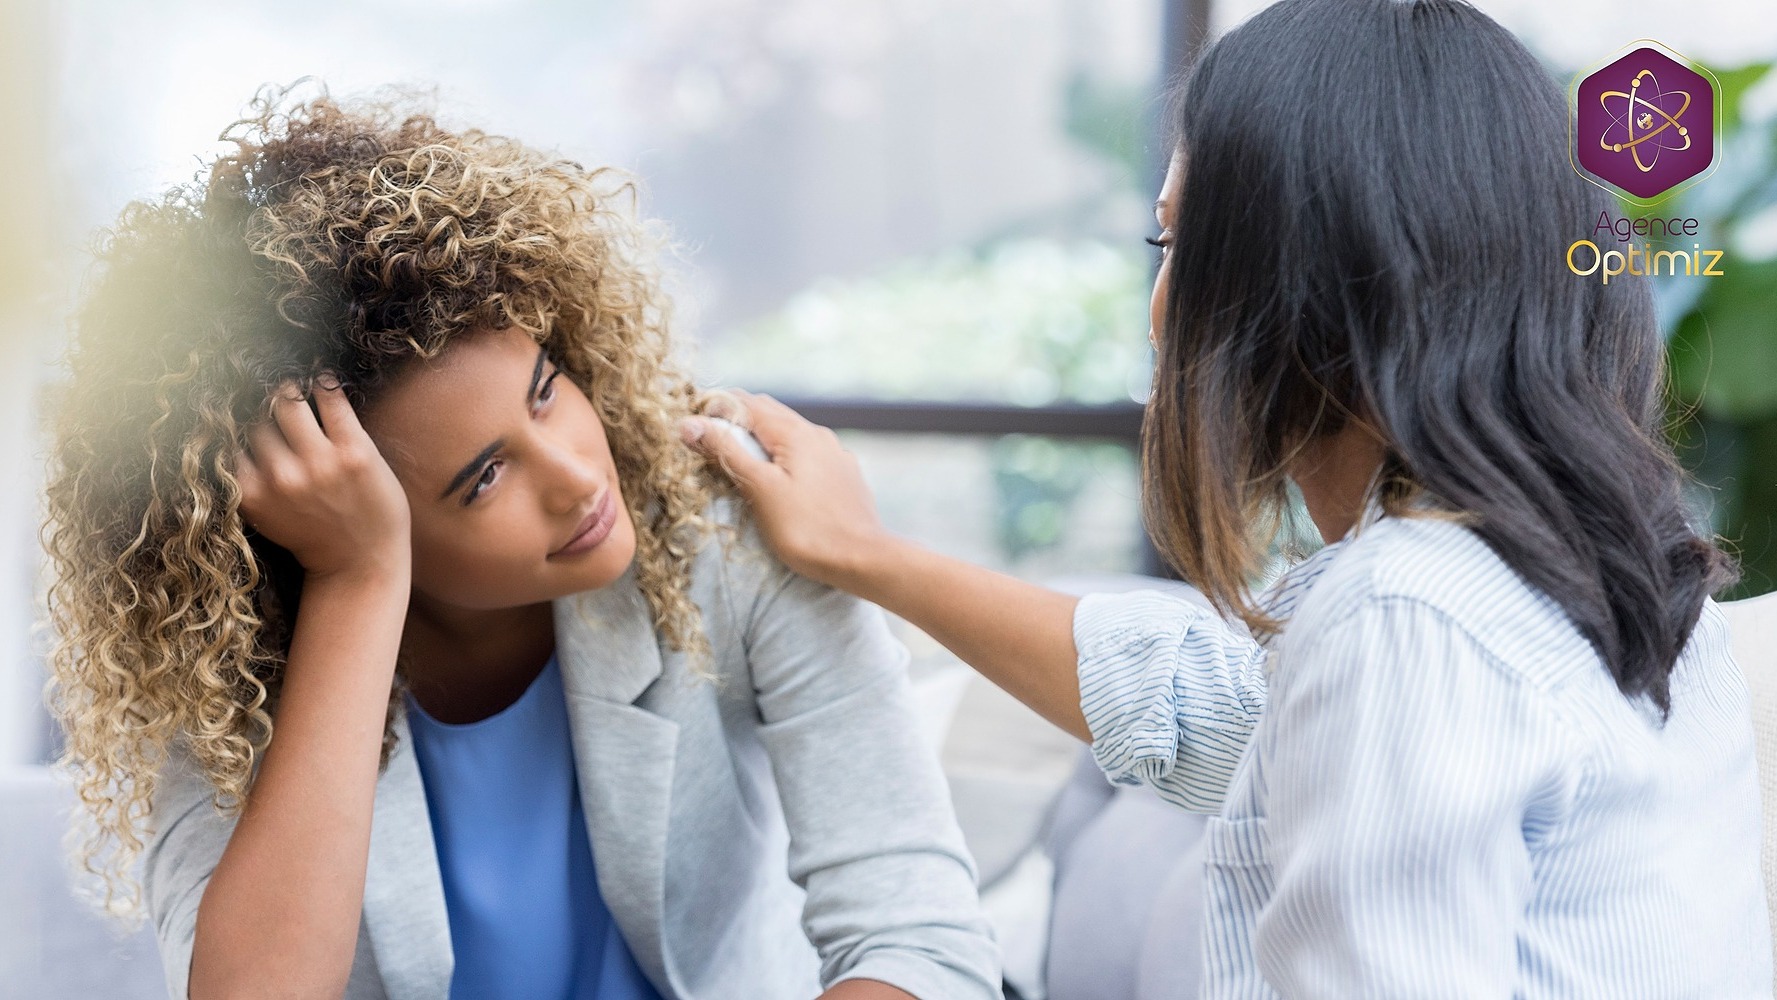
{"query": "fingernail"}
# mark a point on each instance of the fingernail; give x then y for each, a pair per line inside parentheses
(690, 430)
(328, 380)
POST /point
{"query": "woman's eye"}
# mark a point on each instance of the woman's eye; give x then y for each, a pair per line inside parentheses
(547, 393)
(1160, 241)
(482, 481)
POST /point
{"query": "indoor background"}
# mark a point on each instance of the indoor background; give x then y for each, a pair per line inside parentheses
(918, 219)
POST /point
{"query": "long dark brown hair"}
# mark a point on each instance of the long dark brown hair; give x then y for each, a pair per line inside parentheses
(1376, 202)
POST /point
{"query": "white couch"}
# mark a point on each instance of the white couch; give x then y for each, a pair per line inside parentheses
(53, 946)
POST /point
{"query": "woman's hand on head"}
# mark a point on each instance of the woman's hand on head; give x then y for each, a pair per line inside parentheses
(319, 487)
(809, 498)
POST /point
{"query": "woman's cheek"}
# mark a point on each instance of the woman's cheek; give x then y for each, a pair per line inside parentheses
(1157, 307)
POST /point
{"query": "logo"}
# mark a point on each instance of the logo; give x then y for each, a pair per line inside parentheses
(1645, 124)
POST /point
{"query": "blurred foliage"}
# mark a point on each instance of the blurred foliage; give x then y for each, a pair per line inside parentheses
(1037, 481)
(1027, 323)
(1030, 322)
(1723, 332)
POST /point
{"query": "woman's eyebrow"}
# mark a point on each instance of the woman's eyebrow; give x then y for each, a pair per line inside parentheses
(466, 471)
(530, 396)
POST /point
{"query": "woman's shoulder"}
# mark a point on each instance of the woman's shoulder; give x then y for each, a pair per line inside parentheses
(1436, 573)
(797, 640)
(742, 586)
(732, 560)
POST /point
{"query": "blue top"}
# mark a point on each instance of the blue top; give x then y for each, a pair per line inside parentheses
(1429, 785)
(526, 918)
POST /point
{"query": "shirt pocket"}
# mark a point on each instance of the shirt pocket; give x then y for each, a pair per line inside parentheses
(1237, 884)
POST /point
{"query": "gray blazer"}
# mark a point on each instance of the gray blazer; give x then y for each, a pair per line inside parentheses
(759, 836)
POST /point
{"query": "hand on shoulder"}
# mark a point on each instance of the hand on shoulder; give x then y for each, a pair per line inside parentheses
(807, 491)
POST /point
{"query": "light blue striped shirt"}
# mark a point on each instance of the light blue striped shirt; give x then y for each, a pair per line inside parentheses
(1428, 785)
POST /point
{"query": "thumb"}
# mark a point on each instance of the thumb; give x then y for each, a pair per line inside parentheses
(722, 442)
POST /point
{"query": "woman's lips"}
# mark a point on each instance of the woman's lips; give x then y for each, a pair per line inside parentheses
(594, 529)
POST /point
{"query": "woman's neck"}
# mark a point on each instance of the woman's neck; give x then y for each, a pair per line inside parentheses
(464, 664)
(1334, 473)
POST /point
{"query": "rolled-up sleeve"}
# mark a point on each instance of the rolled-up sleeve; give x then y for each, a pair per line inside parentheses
(1170, 691)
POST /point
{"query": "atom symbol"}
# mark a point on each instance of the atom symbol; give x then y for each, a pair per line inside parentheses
(1656, 106)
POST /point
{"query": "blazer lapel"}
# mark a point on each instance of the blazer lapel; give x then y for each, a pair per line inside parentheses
(623, 754)
(404, 910)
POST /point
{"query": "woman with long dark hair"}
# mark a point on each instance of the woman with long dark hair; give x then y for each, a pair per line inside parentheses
(1489, 741)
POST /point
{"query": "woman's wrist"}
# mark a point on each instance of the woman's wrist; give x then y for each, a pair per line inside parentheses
(390, 571)
(868, 564)
(361, 608)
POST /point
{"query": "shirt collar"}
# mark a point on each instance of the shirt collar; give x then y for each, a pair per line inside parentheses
(1280, 600)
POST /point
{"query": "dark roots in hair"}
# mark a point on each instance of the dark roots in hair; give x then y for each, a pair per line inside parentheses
(347, 237)
(1366, 233)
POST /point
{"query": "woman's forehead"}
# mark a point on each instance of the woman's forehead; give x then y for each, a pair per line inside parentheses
(467, 392)
(471, 364)
(1170, 189)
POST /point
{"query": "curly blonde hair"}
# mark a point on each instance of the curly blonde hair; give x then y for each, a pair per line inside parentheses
(345, 236)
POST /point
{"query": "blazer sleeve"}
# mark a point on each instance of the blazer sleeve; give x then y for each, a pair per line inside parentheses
(874, 840)
(187, 836)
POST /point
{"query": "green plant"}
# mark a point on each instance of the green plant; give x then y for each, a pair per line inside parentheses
(1722, 333)
(1025, 322)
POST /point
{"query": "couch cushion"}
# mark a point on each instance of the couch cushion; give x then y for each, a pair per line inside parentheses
(52, 945)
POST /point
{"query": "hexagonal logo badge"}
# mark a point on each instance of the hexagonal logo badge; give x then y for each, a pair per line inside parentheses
(1646, 123)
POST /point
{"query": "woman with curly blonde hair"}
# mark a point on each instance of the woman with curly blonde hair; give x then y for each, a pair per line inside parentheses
(406, 648)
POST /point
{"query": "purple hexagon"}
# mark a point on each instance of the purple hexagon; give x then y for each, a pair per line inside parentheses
(1645, 123)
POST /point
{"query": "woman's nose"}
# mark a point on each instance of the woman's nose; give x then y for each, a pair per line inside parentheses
(571, 478)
